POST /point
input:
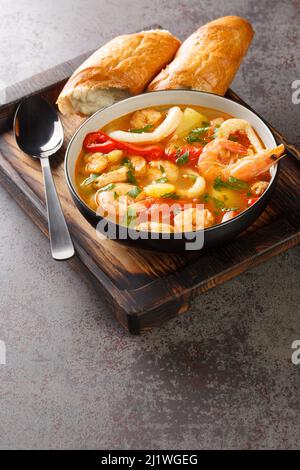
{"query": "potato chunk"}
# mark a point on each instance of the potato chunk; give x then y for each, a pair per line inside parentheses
(159, 189)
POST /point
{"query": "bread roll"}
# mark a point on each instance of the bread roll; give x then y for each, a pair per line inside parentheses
(123, 67)
(209, 59)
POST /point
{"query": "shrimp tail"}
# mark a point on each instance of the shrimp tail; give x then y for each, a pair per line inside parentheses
(248, 168)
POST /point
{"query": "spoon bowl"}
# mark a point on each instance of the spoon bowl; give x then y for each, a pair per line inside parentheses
(38, 129)
(39, 133)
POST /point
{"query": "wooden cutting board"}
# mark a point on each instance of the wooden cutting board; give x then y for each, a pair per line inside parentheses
(143, 289)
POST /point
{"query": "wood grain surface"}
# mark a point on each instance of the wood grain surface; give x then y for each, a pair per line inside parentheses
(142, 289)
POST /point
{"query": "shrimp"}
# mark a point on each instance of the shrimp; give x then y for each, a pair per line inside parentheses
(197, 189)
(192, 219)
(114, 201)
(221, 158)
(139, 164)
(115, 156)
(115, 176)
(166, 169)
(250, 167)
(145, 117)
(230, 126)
(216, 154)
(259, 187)
(96, 163)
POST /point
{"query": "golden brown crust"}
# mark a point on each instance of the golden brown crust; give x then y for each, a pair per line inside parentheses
(127, 62)
(209, 59)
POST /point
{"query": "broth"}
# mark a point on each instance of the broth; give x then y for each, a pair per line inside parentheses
(135, 182)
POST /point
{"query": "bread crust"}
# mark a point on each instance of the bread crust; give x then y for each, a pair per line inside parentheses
(209, 59)
(127, 62)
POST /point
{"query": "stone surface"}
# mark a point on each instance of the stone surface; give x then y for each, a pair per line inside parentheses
(219, 377)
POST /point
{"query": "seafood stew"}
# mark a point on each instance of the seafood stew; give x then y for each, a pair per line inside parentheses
(173, 168)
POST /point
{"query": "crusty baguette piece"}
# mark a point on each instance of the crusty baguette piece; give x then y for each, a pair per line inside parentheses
(209, 59)
(122, 67)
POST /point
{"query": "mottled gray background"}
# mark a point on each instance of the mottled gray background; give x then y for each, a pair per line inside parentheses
(219, 377)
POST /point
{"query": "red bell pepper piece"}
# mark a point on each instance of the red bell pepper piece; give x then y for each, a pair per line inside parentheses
(100, 142)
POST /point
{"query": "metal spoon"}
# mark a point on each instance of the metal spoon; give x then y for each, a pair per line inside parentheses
(39, 133)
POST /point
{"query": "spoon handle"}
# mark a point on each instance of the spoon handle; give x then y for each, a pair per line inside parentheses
(60, 240)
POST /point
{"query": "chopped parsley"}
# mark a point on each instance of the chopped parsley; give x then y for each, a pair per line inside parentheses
(170, 196)
(218, 204)
(142, 129)
(163, 171)
(182, 159)
(130, 173)
(190, 176)
(163, 179)
(130, 216)
(127, 162)
(216, 131)
(134, 192)
(90, 179)
(108, 187)
(233, 138)
(229, 209)
(196, 135)
(130, 176)
(232, 183)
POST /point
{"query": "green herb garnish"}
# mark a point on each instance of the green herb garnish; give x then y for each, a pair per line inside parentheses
(134, 192)
(163, 179)
(216, 131)
(190, 176)
(130, 176)
(229, 209)
(130, 173)
(182, 159)
(163, 171)
(130, 216)
(108, 187)
(217, 202)
(232, 183)
(233, 138)
(170, 196)
(90, 179)
(196, 135)
(143, 129)
(127, 162)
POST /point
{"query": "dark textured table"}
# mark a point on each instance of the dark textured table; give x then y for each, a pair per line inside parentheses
(219, 377)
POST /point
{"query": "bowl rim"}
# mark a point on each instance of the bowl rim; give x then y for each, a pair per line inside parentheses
(94, 214)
